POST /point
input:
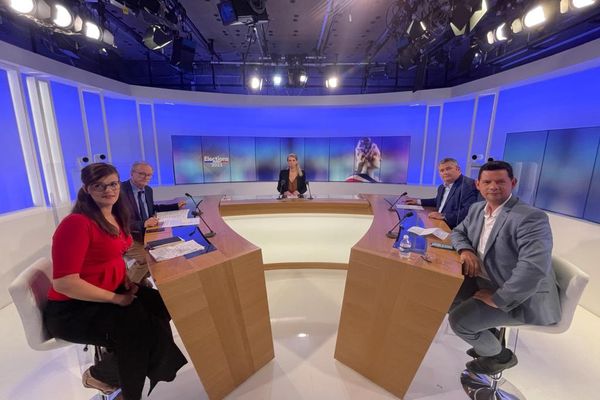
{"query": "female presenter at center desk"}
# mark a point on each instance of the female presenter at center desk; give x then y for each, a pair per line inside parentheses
(92, 301)
(292, 181)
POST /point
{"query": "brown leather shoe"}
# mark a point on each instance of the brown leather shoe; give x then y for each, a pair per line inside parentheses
(92, 383)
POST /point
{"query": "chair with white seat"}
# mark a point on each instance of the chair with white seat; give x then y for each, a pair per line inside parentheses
(29, 292)
(571, 283)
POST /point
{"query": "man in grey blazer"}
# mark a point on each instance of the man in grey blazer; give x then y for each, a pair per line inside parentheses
(505, 248)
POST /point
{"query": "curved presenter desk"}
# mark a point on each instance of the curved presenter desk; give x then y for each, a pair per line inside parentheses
(391, 311)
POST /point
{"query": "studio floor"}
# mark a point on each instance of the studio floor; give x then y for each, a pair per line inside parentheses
(305, 309)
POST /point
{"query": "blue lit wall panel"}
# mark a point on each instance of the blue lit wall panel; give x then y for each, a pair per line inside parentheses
(430, 163)
(456, 130)
(93, 113)
(215, 158)
(482, 126)
(148, 139)
(187, 156)
(13, 175)
(243, 160)
(525, 152)
(70, 129)
(567, 170)
(123, 132)
(592, 207)
(569, 101)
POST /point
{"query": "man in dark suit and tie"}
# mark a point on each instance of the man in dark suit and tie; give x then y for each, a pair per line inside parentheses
(505, 248)
(454, 196)
(140, 198)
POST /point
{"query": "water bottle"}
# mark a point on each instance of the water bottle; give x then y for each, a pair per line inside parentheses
(405, 247)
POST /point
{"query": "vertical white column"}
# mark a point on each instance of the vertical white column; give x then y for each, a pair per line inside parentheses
(57, 162)
(34, 176)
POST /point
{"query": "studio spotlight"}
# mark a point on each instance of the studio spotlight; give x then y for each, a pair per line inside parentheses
(108, 38)
(534, 17)
(61, 16)
(516, 26)
(490, 37)
(255, 83)
(582, 3)
(303, 78)
(277, 80)
(461, 13)
(92, 31)
(416, 30)
(500, 33)
(156, 37)
(478, 14)
(22, 6)
(332, 82)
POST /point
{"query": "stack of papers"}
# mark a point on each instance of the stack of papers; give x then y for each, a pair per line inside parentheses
(437, 232)
(178, 249)
(409, 207)
(168, 219)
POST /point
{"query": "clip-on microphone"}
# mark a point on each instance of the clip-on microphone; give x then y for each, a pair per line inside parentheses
(396, 202)
(394, 235)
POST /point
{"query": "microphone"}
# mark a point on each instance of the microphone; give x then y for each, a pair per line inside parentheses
(210, 232)
(394, 235)
(282, 186)
(309, 193)
(196, 212)
(397, 200)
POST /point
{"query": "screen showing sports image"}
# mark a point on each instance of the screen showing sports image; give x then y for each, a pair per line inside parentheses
(207, 159)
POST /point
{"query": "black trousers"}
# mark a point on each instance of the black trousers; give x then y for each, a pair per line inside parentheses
(139, 334)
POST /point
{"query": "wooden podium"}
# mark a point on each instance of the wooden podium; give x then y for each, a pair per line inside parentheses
(393, 307)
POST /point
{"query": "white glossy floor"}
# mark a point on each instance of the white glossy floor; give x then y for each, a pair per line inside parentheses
(305, 307)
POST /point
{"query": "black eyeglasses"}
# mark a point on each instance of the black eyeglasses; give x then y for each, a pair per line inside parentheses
(101, 187)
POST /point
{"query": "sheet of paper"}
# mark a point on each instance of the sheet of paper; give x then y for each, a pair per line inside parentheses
(176, 250)
(170, 222)
(409, 207)
(437, 232)
(183, 213)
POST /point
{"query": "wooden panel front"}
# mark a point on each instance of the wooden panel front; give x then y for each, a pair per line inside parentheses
(392, 307)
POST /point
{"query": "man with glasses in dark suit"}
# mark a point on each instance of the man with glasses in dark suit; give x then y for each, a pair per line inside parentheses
(140, 199)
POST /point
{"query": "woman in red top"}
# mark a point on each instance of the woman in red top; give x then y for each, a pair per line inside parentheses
(92, 301)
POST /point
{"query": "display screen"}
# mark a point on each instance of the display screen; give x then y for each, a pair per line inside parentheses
(207, 159)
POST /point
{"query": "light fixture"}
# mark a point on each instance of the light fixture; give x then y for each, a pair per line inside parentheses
(156, 37)
(583, 3)
(277, 80)
(477, 15)
(303, 78)
(108, 38)
(461, 13)
(516, 26)
(500, 33)
(416, 31)
(490, 37)
(22, 6)
(62, 17)
(332, 82)
(92, 31)
(534, 17)
(255, 83)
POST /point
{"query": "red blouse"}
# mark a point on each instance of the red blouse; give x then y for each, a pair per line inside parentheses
(80, 246)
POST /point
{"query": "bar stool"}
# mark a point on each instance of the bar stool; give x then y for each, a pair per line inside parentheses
(571, 283)
(29, 292)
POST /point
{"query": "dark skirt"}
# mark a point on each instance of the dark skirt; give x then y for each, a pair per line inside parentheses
(139, 334)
